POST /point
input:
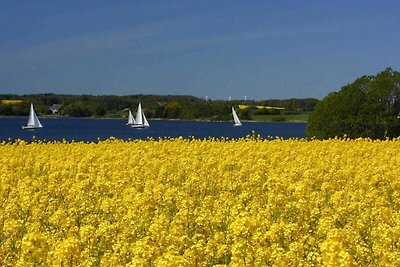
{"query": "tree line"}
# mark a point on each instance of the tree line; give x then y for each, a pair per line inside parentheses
(155, 106)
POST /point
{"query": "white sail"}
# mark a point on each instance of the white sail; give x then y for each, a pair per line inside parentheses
(131, 119)
(139, 116)
(140, 120)
(145, 122)
(236, 118)
(33, 120)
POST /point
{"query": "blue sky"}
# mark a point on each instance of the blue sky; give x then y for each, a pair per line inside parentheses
(259, 49)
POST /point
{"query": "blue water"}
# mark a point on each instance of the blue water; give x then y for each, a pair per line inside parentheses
(89, 129)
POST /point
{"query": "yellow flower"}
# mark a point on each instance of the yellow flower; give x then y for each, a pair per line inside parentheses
(189, 202)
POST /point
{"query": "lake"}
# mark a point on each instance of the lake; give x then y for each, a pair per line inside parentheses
(90, 129)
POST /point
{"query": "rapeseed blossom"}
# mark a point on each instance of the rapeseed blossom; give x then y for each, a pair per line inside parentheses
(189, 202)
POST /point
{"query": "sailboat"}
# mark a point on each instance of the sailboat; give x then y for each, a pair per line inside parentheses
(236, 118)
(131, 119)
(33, 120)
(140, 121)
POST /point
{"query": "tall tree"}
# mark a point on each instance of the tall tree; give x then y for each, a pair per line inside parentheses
(368, 107)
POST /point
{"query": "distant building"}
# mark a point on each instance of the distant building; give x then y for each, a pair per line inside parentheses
(54, 108)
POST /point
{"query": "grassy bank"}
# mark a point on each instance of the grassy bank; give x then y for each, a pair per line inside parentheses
(300, 117)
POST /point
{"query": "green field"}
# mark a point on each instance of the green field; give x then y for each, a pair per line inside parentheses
(300, 117)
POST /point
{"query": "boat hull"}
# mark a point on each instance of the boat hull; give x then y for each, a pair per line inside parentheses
(30, 127)
(138, 126)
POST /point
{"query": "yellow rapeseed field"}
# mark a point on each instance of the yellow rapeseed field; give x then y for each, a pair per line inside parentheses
(11, 101)
(180, 202)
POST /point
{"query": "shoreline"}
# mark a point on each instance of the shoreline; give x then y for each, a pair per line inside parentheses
(152, 119)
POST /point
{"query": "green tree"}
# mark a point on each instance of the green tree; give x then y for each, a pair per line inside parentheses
(172, 110)
(6, 110)
(244, 114)
(77, 110)
(368, 107)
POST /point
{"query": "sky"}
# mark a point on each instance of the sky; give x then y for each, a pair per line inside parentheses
(216, 49)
